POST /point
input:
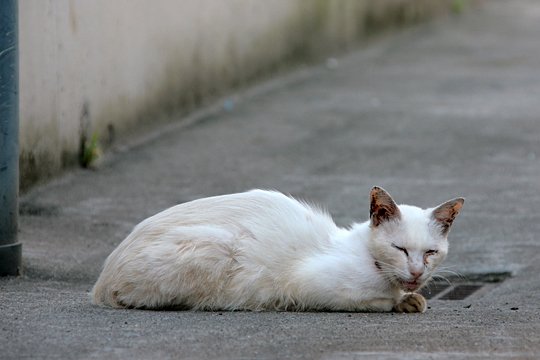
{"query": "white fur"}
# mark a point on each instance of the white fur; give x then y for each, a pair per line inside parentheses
(263, 250)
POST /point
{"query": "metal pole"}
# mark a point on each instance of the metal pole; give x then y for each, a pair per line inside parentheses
(10, 248)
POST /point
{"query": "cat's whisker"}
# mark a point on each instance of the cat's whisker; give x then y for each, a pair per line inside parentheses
(450, 272)
(393, 273)
(393, 270)
(444, 274)
(441, 277)
(448, 268)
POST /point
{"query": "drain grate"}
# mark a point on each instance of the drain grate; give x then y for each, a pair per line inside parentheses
(459, 288)
(434, 289)
(461, 292)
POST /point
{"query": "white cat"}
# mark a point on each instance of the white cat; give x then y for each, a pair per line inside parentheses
(262, 250)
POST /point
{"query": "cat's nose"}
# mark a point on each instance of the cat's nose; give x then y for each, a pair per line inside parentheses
(416, 273)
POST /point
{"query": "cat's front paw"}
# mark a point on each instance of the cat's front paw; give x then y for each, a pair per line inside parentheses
(411, 303)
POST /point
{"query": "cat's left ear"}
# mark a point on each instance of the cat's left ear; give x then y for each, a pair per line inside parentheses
(445, 213)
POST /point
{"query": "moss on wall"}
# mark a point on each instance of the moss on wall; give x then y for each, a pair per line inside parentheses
(190, 76)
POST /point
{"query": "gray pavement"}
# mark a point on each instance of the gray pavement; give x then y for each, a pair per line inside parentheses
(446, 109)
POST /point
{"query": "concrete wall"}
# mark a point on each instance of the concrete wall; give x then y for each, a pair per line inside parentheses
(107, 67)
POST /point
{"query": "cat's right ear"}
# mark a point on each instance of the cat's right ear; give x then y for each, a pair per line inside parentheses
(382, 207)
(446, 213)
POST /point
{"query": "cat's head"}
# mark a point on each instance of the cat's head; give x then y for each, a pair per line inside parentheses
(408, 243)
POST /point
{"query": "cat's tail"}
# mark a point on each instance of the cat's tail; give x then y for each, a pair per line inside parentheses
(103, 295)
(98, 295)
(112, 282)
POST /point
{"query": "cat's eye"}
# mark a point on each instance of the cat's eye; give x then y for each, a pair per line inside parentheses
(401, 249)
(432, 252)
